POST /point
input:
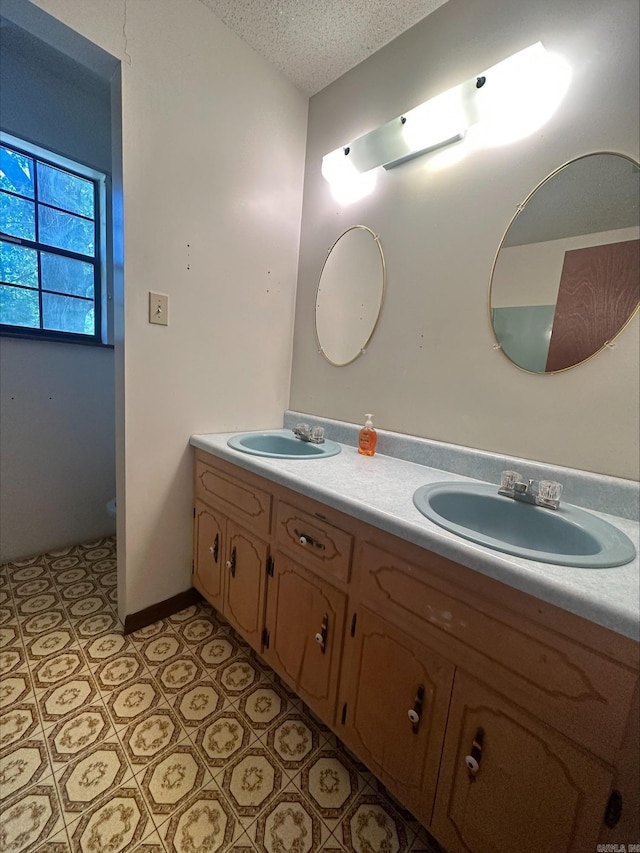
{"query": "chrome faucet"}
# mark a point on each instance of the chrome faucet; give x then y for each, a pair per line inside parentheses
(544, 493)
(304, 432)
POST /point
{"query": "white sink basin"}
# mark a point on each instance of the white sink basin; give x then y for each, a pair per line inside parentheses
(282, 444)
(568, 536)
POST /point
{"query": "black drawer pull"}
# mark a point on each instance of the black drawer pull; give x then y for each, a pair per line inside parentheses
(415, 713)
(321, 636)
(473, 760)
(213, 549)
(231, 564)
(304, 539)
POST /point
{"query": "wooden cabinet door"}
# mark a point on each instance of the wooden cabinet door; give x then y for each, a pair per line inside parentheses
(245, 569)
(208, 569)
(533, 790)
(305, 620)
(391, 676)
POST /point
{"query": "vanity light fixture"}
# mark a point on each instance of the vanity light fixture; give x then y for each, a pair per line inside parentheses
(504, 103)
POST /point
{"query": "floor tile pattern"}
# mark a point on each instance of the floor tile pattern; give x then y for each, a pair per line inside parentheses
(174, 739)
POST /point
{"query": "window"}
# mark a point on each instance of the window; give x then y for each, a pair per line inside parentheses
(51, 272)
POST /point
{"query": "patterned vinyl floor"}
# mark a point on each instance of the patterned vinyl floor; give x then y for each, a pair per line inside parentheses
(175, 738)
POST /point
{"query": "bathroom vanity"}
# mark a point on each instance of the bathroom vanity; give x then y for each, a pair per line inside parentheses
(493, 696)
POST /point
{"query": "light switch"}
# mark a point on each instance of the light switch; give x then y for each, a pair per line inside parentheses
(159, 309)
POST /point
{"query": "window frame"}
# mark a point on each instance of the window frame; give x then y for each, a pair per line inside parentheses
(99, 180)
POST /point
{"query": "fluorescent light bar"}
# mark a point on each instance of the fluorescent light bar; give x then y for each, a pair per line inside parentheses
(520, 94)
(456, 138)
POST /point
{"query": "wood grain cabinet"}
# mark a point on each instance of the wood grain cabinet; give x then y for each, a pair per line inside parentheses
(307, 603)
(508, 782)
(232, 519)
(312, 541)
(396, 697)
(305, 625)
(209, 530)
(229, 570)
(245, 584)
(502, 722)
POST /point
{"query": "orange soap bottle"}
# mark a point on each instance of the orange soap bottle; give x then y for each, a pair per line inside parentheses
(367, 438)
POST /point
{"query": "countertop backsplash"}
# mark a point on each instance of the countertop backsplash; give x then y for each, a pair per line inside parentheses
(599, 492)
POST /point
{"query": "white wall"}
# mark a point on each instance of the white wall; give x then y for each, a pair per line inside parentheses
(57, 435)
(57, 449)
(431, 368)
(530, 274)
(51, 100)
(213, 144)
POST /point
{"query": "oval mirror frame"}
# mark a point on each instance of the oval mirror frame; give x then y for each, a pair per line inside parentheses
(359, 314)
(540, 317)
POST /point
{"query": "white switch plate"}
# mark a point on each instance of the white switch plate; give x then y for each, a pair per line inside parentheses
(159, 309)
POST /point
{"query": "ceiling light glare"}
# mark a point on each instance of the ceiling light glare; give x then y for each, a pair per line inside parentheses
(347, 183)
(520, 95)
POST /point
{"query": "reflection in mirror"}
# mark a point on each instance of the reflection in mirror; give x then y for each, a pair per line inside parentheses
(349, 295)
(566, 277)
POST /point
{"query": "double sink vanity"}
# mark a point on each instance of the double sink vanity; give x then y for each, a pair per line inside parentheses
(467, 627)
(488, 677)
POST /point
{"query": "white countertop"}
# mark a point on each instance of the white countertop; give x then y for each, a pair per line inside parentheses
(379, 490)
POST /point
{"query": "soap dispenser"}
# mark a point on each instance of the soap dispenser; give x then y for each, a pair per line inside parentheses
(367, 438)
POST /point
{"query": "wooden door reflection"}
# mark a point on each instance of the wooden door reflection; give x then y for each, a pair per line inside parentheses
(598, 293)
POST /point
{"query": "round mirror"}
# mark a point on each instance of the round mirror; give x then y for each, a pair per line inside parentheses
(566, 278)
(349, 295)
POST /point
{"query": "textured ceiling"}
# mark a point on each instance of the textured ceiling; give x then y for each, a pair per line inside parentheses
(313, 42)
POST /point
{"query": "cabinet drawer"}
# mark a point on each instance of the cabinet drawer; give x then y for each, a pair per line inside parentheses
(580, 692)
(314, 542)
(241, 500)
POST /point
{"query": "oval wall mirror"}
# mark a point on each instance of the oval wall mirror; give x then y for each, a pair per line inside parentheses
(349, 295)
(566, 277)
